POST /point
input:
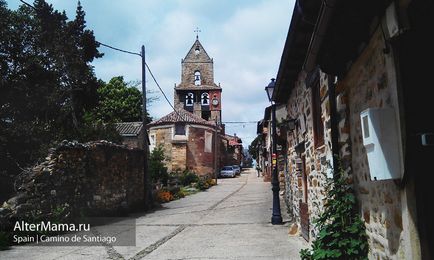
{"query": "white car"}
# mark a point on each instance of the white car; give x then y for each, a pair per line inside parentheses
(228, 171)
(237, 169)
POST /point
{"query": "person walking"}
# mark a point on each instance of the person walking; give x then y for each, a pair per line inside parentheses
(258, 169)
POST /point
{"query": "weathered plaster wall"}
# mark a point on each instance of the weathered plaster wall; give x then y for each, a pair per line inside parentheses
(199, 161)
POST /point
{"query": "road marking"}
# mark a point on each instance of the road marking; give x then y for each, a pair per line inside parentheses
(157, 244)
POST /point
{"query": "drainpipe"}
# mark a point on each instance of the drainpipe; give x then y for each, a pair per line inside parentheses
(321, 25)
(333, 121)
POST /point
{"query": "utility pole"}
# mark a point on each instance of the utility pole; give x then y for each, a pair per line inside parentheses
(147, 179)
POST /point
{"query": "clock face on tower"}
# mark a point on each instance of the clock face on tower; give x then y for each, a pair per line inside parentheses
(215, 102)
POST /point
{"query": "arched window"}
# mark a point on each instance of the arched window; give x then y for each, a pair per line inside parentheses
(205, 99)
(189, 99)
(197, 78)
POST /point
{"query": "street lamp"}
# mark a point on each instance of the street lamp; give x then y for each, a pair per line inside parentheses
(277, 216)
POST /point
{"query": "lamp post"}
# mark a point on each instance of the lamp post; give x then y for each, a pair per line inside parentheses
(276, 218)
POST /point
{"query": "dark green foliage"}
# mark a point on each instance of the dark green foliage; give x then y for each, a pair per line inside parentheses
(119, 101)
(157, 170)
(342, 233)
(201, 185)
(186, 178)
(47, 84)
(253, 147)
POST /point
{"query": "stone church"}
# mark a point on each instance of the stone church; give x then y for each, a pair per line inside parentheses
(197, 92)
(192, 134)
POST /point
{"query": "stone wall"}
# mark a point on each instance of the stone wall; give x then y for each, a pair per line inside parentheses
(371, 83)
(98, 178)
(188, 151)
(300, 143)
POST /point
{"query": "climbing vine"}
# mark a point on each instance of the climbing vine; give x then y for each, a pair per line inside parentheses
(342, 232)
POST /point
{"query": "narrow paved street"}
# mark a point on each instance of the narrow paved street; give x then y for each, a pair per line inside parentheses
(228, 221)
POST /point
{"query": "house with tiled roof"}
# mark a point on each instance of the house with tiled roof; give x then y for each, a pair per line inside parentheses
(132, 133)
(188, 141)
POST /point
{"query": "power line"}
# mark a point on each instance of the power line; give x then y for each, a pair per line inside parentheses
(240, 122)
(117, 49)
(150, 72)
(29, 5)
(158, 85)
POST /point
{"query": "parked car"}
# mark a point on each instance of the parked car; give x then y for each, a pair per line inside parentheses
(237, 169)
(228, 171)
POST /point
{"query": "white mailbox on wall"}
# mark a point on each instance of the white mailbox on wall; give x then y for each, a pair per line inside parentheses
(381, 140)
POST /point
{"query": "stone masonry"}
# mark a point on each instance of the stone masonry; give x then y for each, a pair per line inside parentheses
(94, 179)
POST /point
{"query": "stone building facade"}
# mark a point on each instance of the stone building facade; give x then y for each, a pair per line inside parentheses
(188, 142)
(308, 150)
(197, 92)
(193, 136)
(330, 75)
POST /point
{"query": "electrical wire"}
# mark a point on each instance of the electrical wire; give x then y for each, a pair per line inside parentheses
(117, 49)
(150, 72)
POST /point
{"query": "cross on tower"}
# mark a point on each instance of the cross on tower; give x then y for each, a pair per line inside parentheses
(197, 31)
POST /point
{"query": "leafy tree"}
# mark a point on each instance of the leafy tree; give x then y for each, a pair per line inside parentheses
(119, 101)
(157, 169)
(46, 82)
(253, 147)
(342, 232)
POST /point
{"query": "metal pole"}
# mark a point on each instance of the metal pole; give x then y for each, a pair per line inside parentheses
(147, 184)
(277, 216)
(216, 152)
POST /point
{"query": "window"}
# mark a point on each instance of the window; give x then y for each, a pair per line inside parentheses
(318, 126)
(205, 99)
(153, 141)
(197, 50)
(189, 98)
(179, 129)
(197, 78)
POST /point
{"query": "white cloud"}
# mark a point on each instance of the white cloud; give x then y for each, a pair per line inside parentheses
(245, 38)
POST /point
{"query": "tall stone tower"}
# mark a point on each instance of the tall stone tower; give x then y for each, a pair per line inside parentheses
(197, 92)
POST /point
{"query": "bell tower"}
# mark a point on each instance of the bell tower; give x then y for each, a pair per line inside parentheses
(197, 92)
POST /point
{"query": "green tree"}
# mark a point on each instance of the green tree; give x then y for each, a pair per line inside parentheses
(157, 169)
(253, 147)
(119, 101)
(46, 81)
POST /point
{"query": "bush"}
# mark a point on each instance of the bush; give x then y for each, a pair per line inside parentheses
(211, 182)
(164, 196)
(157, 169)
(179, 194)
(188, 178)
(202, 185)
(342, 232)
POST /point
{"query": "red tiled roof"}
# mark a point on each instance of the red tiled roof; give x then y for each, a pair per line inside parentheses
(181, 115)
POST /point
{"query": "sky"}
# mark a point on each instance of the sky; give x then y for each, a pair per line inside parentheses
(245, 38)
